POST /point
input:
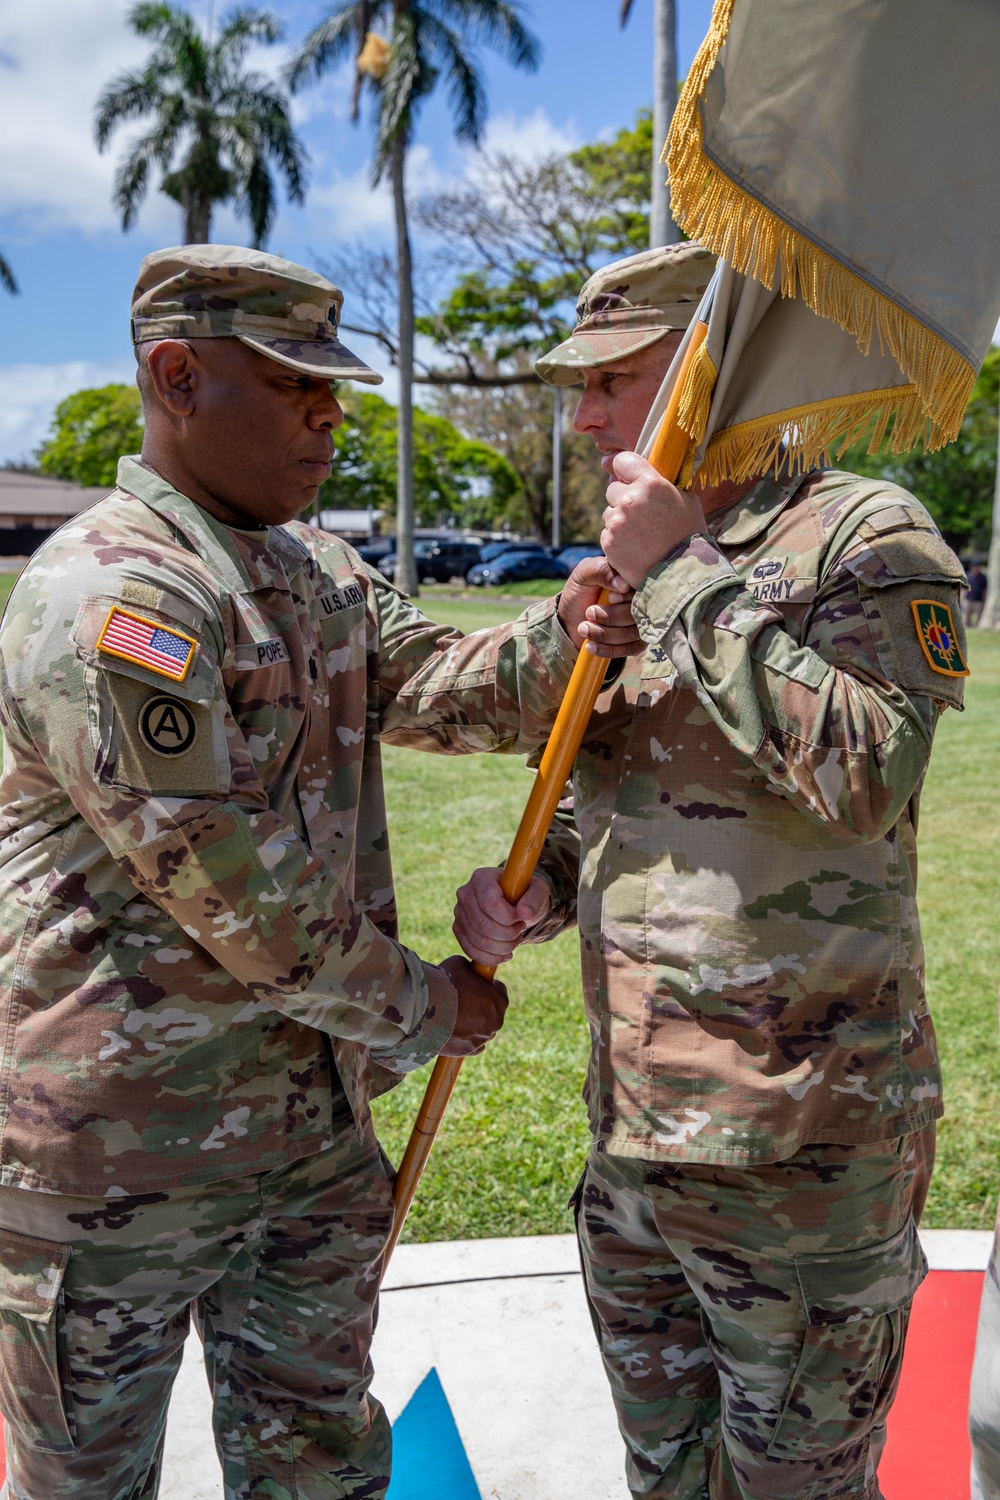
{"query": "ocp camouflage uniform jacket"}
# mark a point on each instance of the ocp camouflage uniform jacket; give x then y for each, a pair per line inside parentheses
(195, 883)
(746, 798)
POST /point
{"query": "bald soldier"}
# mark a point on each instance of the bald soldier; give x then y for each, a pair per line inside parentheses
(202, 981)
(764, 1081)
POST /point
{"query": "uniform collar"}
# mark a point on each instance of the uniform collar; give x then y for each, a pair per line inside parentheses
(243, 560)
(747, 518)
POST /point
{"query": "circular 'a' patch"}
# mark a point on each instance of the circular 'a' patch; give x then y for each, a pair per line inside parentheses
(167, 725)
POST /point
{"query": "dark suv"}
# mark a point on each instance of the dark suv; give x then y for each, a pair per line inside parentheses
(437, 561)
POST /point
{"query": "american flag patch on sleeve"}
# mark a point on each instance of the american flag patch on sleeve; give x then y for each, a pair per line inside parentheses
(146, 644)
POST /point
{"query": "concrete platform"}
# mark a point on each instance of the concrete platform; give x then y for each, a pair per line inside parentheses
(519, 1385)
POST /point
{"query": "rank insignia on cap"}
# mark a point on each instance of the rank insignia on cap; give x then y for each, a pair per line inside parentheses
(146, 644)
(938, 637)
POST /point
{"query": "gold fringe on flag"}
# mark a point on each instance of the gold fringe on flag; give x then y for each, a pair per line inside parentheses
(803, 437)
(757, 243)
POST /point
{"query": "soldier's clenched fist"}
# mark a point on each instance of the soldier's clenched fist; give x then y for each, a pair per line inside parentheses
(646, 517)
(482, 1005)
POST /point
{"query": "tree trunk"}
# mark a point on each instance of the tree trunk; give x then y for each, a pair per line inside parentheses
(197, 220)
(406, 568)
(662, 229)
(990, 617)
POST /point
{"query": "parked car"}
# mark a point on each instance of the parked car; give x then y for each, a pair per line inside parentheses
(437, 561)
(516, 567)
(494, 549)
(576, 553)
(372, 552)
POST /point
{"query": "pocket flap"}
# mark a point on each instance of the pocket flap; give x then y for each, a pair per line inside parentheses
(899, 556)
(855, 1285)
(198, 684)
(31, 1275)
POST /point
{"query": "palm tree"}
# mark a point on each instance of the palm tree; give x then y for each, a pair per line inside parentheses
(424, 40)
(226, 125)
(7, 276)
(662, 229)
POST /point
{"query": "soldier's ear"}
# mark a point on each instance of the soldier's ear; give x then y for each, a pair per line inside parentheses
(173, 375)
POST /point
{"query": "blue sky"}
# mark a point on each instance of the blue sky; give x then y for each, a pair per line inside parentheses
(75, 266)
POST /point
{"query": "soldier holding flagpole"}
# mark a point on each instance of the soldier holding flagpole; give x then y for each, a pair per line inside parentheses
(764, 1085)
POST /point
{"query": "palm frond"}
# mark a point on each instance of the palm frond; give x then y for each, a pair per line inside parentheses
(241, 29)
(128, 97)
(131, 183)
(466, 91)
(331, 41)
(498, 24)
(625, 12)
(156, 18)
(7, 276)
(255, 122)
(259, 201)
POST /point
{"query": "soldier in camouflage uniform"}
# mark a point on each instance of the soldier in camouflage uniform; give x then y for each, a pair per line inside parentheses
(198, 946)
(764, 1081)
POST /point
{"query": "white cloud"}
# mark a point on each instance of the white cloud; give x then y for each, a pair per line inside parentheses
(530, 136)
(345, 206)
(55, 55)
(56, 58)
(29, 395)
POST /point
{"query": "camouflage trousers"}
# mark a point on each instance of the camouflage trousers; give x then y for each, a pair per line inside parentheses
(281, 1272)
(751, 1321)
(984, 1402)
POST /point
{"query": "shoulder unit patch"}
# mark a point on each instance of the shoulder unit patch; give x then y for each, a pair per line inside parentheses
(938, 637)
(145, 643)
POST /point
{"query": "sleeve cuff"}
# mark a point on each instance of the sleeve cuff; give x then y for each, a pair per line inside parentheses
(560, 915)
(694, 567)
(437, 1023)
(542, 623)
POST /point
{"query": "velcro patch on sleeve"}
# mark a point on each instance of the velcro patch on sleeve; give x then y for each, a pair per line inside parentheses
(146, 643)
(938, 637)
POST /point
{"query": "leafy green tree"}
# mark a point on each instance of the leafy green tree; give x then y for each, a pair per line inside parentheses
(533, 233)
(7, 276)
(957, 482)
(452, 475)
(516, 421)
(90, 431)
(223, 126)
(425, 40)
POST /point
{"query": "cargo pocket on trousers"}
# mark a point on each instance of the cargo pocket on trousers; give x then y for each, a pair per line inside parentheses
(856, 1305)
(33, 1394)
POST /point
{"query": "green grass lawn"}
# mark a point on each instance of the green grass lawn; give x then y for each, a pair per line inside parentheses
(515, 1137)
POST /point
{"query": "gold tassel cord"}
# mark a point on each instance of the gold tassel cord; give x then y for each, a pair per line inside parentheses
(800, 438)
(696, 395)
(694, 406)
(757, 243)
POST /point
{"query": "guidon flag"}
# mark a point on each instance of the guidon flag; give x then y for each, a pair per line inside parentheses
(837, 158)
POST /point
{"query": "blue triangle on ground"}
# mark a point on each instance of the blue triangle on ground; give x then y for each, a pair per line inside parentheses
(428, 1459)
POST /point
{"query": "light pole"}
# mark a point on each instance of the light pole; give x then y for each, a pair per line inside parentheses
(662, 229)
(557, 443)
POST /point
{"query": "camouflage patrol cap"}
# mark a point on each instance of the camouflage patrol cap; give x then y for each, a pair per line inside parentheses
(225, 291)
(629, 305)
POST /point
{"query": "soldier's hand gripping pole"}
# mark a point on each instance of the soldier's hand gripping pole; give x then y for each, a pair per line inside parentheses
(667, 456)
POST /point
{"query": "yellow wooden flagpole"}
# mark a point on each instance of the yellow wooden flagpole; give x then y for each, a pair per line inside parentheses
(668, 454)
